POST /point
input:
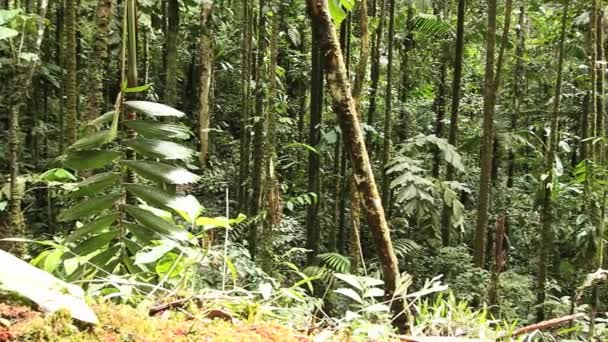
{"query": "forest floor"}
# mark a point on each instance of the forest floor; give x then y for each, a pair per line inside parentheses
(124, 323)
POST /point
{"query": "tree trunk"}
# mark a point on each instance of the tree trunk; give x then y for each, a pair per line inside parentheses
(98, 58)
(259, 139)
(455, 111)
(244, 148)
(21, 83)
(546, 213)
(313, 231)
(206, 52)
(489, 99)
(440, 115)
(375, 69)
(272, 196)
(172, 61)
(388, 111)
(345, 108)
(71, 87)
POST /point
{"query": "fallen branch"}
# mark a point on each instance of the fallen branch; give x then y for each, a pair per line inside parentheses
(545, 324)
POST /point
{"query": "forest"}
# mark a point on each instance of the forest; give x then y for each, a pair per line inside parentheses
(314, 170)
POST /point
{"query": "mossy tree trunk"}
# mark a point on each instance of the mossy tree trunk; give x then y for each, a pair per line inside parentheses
(206, 55)
(71, 84)
(172, 60)
(345, 108)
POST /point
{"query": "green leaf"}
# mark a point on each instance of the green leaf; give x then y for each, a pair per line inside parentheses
(102, 119)
(52, 260)
(157, 130)
(188, 207)
(151, 254)
(89, 159)
(138, 89)
(151, 195)
(336, 11)
(160, 172)
(94, 140)
(141, 234)
(170, 265)
(95, 184)
(156, 224)
(104, 257)
(89, 207)
(213, 222)
(153, 109)
(8, 15)
(160, 149)
(350, 293)
(6, 33)
(95, 243)
(93, 227)
(350, 280)
(57, 175)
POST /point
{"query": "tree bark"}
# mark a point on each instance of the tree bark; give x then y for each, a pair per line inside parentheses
(455, 111)
(71, 90)
(345, 108)
(546, 213)
(489, 99)
(206, 55)
(375, 69)
(98, 58)
(388, 110)
(172, 61)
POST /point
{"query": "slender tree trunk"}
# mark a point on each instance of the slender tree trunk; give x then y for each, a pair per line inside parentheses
(259, 139)
(313, 231)
(440, 114)
(244, 148)
(345, 108)
(272, 196)
(172, 61)
(489, 99)
(497, 264)
(98, 58)
(71, 86)
(206, 52)
(519, 77)
(546, 213)
(21, 83)
(375, 69)
(388, 110)
(455, 111)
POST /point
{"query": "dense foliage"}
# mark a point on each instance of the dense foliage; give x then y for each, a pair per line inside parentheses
(345, 168)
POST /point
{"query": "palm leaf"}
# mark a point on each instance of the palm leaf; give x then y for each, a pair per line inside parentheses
(89, 159)
(95, 243)
(153, 109)
(336, 262)
(151, 195)
(431, 25)
(160, 149)
(141, 234)
(158, 130)
(89, 207)
(160, 172)
(157, 224)
(94, 140)
(100, 120)
(93, 227)
(95, 184)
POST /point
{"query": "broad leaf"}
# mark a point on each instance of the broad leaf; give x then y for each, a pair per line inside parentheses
(6, 33)
(160, 172)
(95, 243)
(141, 234)
(151, 195)
(157, 224)
(102, 119)
(93, 227)
(151, 254)
(350, 293)
(57, 175)
(89, 159)
(42, 288)
(95, 184)
(350, 280)
(89, 207)
(93, 141)
(188, 207)
(158, 130)
(160, 149)
(153, 109)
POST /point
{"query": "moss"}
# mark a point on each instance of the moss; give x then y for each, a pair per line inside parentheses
(124, 323)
